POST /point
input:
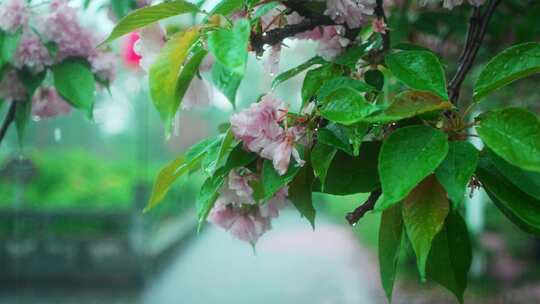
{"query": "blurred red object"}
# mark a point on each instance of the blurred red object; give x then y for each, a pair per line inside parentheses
(130, 57)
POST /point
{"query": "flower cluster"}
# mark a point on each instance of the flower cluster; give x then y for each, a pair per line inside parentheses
(354, 13)
(237, 211)
(48, 36)
(259, 128)
(48, 103)
(14, 14)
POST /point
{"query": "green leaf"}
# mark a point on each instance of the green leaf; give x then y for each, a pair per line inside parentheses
(352, 55)
(218, 153)
(300, 193)
(347, 107)
(526, 181)
(272, 181)
(349, 175)
(316, 78)
(334, 84)
(424, 212)
(239, 158)
(227, 7)
(390, 242)
(522, 209)
(180, 166)
(164, 77)
(226, 81)
(457, 169)
(148, 15)
(336, 136)
(408, 156)
(514, 135)
(295, 71)
(375, 78)
(356, 136)
(188, 72)
(230, 46)
(31, 83)
(76, 83)
(512, 64)
(167, 176)
(450, 257)
(420, 70)
(208, 194)
(321, 158)
(409, 104)
(8, 45)
(120, 7)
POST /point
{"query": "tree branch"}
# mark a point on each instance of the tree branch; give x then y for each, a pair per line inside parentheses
(475, 36)
(10, 117)
(277, 35)
(368, 205)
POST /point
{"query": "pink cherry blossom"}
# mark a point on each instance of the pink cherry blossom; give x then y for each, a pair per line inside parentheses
(11, 88)
(31, 53)
(130, 57)
(14, 14)
(258, 127)
(331, 40)
(271, 208)
(222, 215)
(281, 150)
(47, 103)
(332, 43)
(240, 183)
(62, 27)
(235, 209)
(151, 40)
(104, 65)
(379, 26)
(353, 12)
(249, 228)
(197, 94)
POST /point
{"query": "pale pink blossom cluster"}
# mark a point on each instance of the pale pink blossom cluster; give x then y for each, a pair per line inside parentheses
(58, 25)
(259, 128)
(14, 14)
(47, 103)
(332, 42)
(450, 4)
(354, 13)
(331, 38)
(11, 88)
(151, 41)
(61, 26)
(237, 211)
(31, 53)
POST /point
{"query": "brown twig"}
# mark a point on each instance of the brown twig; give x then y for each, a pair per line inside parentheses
(10, 117)
(475, 36)
(368, 205)
(379, 13)
(275, 36)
